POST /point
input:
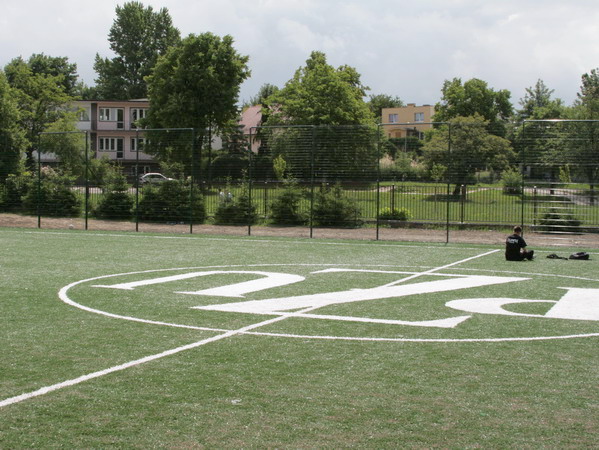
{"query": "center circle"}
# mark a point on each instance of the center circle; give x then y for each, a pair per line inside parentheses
(65, 296)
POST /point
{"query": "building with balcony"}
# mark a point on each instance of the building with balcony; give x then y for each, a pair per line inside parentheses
(409, 120)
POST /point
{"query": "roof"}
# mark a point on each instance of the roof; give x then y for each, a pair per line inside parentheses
(251, 117)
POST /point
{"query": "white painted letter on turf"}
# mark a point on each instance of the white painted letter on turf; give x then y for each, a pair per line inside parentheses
(277, 305)
(576, 304)
(268, 280)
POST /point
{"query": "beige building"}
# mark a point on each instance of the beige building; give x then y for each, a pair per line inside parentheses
(409, 120)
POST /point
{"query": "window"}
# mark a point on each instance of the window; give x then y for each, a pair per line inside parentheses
(137, 114)
(113, 115)
(111, 144)
(105, 114)
(137, 144)
(393, 118)
(83, 115)
(419, 117)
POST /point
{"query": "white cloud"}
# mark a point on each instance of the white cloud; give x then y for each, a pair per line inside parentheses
(400, 48)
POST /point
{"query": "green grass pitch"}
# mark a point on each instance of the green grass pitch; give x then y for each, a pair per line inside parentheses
(144, 341)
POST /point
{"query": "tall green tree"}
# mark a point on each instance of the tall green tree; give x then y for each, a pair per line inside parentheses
(538, 143)
(11, 135)
(474, 97)
(138, 36)
(261, 98)
(64, 140)
(376, 103)
(538, 103)
(56, 66)
(464, 147)
(40, 97)
(195, 85)
(319, 94)
(588, 97)
(332, 99)
(581, 143)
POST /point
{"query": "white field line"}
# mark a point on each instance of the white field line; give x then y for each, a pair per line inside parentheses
(428, 245)
(306, 241)
(246, 329)
(100, 373)
(436, 269)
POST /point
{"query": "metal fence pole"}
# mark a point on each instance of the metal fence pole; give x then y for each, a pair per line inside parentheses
(522, 202)
(447, 200)
(378, 180)
(312, 148)
(192, 184)
(86, 180)
(250, 187)
(39, 181)
(137, 180)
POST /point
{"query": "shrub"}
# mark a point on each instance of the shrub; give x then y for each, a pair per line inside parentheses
(512, 182)
(170, 202)
(116, 203)
(228, 166)
(236, 211)
(332, 208)
(559, 221)
(55, 198)
(395, 214)
(285, 209)
(12, 192)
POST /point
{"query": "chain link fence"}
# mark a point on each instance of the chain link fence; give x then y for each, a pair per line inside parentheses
(539, 174)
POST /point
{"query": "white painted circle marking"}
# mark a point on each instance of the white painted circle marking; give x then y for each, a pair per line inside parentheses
(63, 294)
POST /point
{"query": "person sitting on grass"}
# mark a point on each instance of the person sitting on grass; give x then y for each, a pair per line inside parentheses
(515, 247)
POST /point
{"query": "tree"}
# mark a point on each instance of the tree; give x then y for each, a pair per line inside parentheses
(588, 97)
(538, 104)
(195, 85)
(319, 94)
(58, 67)
(66, 142)
(138, 36)
(332, 100)
(582, 138)
(261, 98)
(11, 135)
(474, 97)
(376, 103)
(464, 147)
(536, 142)
(40, 97)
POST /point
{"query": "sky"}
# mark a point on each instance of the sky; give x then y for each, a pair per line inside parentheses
(401, 48)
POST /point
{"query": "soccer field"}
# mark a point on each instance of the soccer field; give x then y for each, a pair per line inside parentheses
(144, 341)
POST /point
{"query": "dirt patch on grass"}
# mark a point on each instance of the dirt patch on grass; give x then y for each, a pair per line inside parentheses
(493, 237)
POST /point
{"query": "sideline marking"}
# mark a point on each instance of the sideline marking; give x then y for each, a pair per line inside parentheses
(243, 330)
(100, 373)
(209, 237)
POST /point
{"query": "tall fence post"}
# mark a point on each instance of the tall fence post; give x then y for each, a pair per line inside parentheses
(39, 181)
(312, 148)
(447, 200)
(378, 181)
(523, 201)
(86, 179)
(249, 187)
(535, 205)
(192, 183)
(137, 175)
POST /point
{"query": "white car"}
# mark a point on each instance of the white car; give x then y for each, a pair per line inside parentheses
(151, 178)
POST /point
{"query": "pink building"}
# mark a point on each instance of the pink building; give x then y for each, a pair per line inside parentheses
(114, 132)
